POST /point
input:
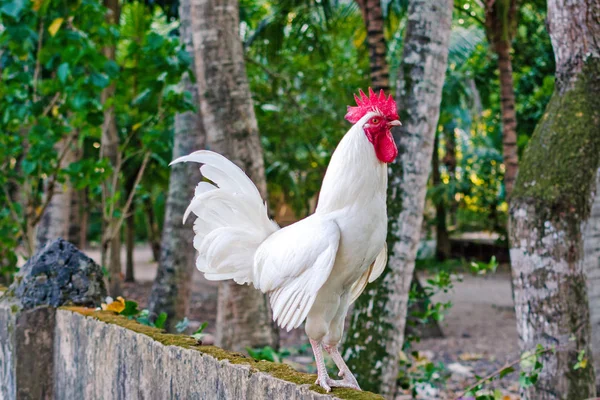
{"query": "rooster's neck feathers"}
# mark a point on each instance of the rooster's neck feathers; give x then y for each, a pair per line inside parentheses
(354, 174)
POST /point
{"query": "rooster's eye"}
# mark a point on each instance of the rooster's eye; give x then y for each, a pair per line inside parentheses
(375, 121)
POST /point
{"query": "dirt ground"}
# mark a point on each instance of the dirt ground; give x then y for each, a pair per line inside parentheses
(479, 330)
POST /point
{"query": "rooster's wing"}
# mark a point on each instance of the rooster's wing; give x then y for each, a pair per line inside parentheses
(292, 265)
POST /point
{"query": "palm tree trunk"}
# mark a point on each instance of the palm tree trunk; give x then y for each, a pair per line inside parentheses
(243, 313)
(591, 249)
(500, 25)
(374, 353)
(109, 147)
(373, 18)
(173, 283)
(551, 205)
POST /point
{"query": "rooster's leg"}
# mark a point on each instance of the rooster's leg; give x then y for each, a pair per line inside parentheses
(348, 378)
(322, 376)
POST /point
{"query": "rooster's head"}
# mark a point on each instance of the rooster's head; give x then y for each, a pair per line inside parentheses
(383, 115)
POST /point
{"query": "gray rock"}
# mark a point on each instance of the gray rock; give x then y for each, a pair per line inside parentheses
(57, 274)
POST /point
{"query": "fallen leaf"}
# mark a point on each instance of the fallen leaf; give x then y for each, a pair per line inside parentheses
(470, 356)
(117, 306)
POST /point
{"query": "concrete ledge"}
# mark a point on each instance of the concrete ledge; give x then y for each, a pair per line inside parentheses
(99, 355)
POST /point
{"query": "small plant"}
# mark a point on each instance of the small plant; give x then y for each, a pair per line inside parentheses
(270, 354)
(531, 366)
(481, 268)
(129, 309)
(198, 335)
(418, 371)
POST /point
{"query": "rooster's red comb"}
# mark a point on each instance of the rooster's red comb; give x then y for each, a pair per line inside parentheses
(364, 104)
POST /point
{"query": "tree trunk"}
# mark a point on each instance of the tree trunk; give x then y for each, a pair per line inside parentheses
(231, 129)
(373, 18)
(376, 333)
(450, 162)
(55, 221)
(130, 244)
(442, 245)
(131, 174)
(111, 246)
(152, 224)
(75, 220)
(591, 249)
(551, 204)
(172, 287)
(500, 25)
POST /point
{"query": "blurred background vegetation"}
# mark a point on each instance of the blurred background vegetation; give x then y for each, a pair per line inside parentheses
(304, 61)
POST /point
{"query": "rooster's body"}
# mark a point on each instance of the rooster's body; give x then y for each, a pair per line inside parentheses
(315, 268)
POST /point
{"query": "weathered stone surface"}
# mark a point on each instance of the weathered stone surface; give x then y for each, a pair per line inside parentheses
(26, 352)
(96, 360)
(57, 274)
(8, 322)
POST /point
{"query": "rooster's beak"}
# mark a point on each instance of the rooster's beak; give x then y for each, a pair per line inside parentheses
(394, 123)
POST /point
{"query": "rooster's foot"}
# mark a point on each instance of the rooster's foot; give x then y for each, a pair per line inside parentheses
(349, 379)
(324, 383)
(343, 383)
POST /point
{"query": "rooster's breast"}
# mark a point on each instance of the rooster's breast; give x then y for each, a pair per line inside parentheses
(363, 234)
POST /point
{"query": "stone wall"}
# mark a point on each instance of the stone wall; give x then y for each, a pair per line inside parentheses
(96, 359)
(52, 352)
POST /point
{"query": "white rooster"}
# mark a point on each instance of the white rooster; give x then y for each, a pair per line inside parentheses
(314, 269)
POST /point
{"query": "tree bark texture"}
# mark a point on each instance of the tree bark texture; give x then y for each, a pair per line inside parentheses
(243, 313)
(130, 244)
(551, 204)
(76, 223)
(173, 284)
(591, 249)
(442, 243)
(376, 333)
(500, 23)
(56, 219)
(374, 23)
(109, 148)
(152, 224)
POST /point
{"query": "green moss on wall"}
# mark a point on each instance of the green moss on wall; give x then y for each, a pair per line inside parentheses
(558, 168)
(280, 371)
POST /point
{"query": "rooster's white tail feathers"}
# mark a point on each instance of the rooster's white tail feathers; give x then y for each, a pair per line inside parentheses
(232, 219)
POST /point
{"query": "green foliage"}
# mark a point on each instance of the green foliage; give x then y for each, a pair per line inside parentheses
(53, 73)
(302, 92)
(270, 354)
(416, 371)
(481, 268)
(530, 368)
(198, 335)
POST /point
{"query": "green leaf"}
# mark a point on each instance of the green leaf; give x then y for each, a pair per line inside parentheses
(131, 309)
(13, 8)
(182, 325)
(28, 166)
(201, 328)
(100, 80)
(63, 72)
(160, 320)
(142, 97)
(505, 372)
